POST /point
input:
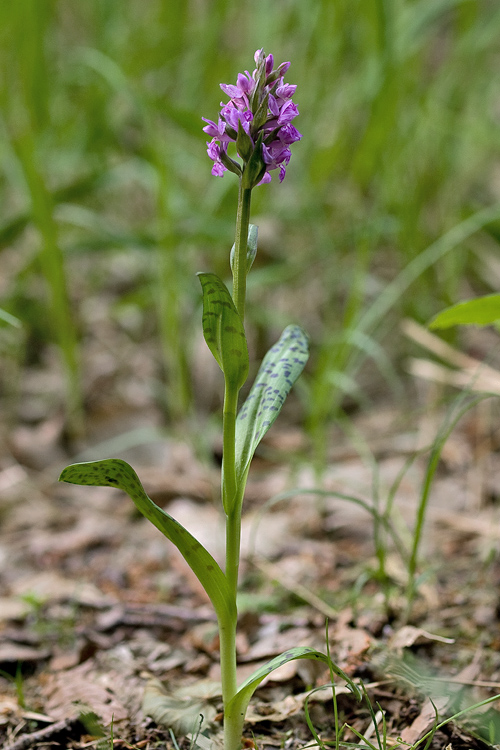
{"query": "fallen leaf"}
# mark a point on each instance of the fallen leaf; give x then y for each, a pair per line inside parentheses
(13, 652)
(9, 709)
(409, 635)
(83, 688)
(49, 586)
(424, 721)
(181, 708)
(13, 608)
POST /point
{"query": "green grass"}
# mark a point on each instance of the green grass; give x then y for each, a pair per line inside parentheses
(102, 151)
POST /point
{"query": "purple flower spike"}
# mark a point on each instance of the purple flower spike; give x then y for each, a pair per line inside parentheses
(257, 119)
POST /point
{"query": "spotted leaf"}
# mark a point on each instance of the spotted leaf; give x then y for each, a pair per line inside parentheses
(279, 370)
(223, 330)
(113, 472)
(239, 704)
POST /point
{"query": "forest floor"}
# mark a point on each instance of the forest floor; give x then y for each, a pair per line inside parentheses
(96, 606)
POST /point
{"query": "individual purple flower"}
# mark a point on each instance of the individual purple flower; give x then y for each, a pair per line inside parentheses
(276, 156)
(216, 131)
(289, 134)
(257, 119)
(214, 151)
(233, 116)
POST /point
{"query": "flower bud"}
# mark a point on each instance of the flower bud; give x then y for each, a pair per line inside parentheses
(244, 144)
(255, 168)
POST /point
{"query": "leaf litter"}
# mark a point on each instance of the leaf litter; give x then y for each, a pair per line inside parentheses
(95, 606)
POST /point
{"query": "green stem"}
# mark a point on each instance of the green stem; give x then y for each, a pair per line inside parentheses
(227, 638)
(229, 447)
(232, 490)
(232, 506)
(233, 727)
(233, 538)
(240, 250)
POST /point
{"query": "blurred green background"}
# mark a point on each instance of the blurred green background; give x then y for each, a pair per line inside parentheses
(389, 208)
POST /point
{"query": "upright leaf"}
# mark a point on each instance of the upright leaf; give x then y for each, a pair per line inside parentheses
(482, 311)
(278, 372)
(253, 232)
(223, 330)
(113, 472)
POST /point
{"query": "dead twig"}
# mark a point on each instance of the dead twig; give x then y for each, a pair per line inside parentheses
(26, 741)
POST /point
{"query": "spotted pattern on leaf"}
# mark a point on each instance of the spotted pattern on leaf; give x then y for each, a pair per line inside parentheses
(280, 369)
(223, 330)
(113, 472)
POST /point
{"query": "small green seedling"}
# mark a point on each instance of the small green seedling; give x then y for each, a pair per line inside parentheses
(257, 122)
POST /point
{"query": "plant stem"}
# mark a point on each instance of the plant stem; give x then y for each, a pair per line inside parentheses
(232, 507)
(227, 637)
(240, 250)
(232, 490)
(233, 535)
(229, 447)
(233, 728)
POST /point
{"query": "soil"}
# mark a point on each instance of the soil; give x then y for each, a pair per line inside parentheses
(102, 623)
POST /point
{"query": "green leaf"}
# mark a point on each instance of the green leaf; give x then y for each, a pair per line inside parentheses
(255, 168)
(278, 372)
(113, 472)
(253, 231)
(239, 704)
(223, 330)
(244, 144)
(480, 312)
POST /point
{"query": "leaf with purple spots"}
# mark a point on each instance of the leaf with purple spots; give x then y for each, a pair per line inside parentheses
(241, 700)
(113, 472)
(223, 330)
(279, 370)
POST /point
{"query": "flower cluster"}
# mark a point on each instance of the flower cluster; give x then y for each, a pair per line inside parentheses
(258, 119)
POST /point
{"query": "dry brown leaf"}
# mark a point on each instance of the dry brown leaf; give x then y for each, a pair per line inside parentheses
(90, 531)
(83, 688)
(50, 586)
(13, 608)
(13, 652)
(275, 641)
(278, 711)
(409, 635)
(351, 642)
(9, 709)
(424, 721)
(181, 708)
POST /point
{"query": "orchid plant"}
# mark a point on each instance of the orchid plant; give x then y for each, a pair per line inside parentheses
(256, 124)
